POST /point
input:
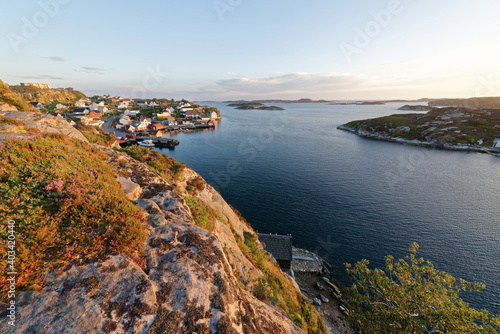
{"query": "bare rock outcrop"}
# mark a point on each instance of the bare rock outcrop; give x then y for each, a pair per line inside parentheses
(7, 107)
(188, 284)
(45, 123)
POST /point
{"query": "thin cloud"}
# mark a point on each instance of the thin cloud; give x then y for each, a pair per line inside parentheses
(300, 84)
(92, 70)
(56, 58)
(293, 82)
(42, 77)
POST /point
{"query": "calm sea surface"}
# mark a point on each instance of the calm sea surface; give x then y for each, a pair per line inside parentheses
(350, 198)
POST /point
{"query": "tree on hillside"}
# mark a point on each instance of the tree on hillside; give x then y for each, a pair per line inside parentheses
(411, 296)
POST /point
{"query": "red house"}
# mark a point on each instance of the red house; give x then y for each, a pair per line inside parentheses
(156, 127)
(94, 114)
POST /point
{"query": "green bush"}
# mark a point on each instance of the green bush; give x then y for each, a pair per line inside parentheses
(411, 296)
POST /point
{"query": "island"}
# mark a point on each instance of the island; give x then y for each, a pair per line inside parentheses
(451, 128)
(358, 103)
(253, 105)
(415, 108)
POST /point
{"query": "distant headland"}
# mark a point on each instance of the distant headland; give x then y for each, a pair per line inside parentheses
(452, 128)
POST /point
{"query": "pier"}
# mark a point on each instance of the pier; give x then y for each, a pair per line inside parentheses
(158, 142)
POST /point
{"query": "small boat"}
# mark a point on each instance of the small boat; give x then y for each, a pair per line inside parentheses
(146, 143)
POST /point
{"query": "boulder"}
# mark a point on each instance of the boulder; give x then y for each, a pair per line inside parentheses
(131, 189)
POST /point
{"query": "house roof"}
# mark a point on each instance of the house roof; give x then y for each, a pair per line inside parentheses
(157, 126)
(280, 246)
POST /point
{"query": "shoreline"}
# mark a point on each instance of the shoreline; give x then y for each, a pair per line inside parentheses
(434, 145)
(313, 277)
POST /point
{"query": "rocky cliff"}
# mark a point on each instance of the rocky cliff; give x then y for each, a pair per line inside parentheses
(204, 280)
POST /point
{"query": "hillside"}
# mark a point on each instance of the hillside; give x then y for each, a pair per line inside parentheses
(12, 101)
(47, 95)
(449, 128)
(131, 241)
(474, 103)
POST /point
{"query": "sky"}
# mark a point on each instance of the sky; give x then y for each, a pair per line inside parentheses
(241, 49)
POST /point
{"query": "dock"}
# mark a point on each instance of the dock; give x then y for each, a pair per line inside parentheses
(159, 142)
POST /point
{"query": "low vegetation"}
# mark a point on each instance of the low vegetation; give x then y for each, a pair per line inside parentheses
(96, 135)
(451, 126)
(411, 296)
(48, 95)
(67, 205)
(276, 289)
(475, 102)
(162, 164)
(195, 184)
(203, 215)
(16, 100)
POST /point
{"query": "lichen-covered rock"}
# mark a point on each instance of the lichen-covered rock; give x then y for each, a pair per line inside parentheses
(189, 284)
(113, 296)
(45, 123)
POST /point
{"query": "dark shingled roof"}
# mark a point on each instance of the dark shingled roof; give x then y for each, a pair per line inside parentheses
(280, 246)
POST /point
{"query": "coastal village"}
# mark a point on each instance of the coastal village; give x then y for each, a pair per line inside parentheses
(131, 118)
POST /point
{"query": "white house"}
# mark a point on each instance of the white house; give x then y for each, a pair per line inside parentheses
(164, 114)
(192, 114)
(122, 105)
(103, 110)
(96, 106)
(131, 112)
(60, 106)
(124, 120)
(142, 125)
(213, 115)
(185, 110)
(80, 104)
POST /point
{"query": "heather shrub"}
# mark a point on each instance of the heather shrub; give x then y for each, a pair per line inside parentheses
(67, 204)
(96, 135)
(162, 164)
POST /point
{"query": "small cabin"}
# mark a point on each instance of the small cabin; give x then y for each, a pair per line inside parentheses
(280, 247)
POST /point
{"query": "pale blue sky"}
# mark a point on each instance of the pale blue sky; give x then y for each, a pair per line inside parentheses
(231, 49)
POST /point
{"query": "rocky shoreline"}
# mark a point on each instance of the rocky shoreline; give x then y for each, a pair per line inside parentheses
(429, 144)
(310, 273)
